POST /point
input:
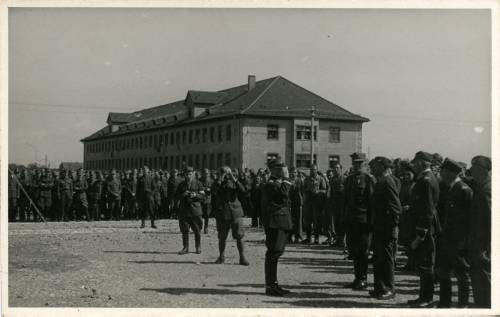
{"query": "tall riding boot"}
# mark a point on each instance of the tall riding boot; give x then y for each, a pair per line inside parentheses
(222, 248)
(444, 293)
(241, 250)
(143, 223)
(197, 242)
(153, 224)
(205, 225)
(185, 243)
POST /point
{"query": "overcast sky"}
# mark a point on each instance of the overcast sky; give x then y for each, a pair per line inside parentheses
(421, 76)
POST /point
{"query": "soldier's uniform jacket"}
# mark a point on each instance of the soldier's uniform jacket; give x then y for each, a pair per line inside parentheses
(173, 183)
(190, 206)
(65, 188)
(113, 189)
(455, 227)
(145, 187)
(315, 188)
(95, 190)
(80, 187)
(297, 193)
(130, 187)
(156, 188)
(423, 201)
(480, 219)
(207, 185)
(386, 207)
(336, 187)
(164, 187)
(357, 197)
(228, 206)
(46, 184)
(276, 205)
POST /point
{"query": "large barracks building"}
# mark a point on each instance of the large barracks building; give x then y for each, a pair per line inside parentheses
(243, 126)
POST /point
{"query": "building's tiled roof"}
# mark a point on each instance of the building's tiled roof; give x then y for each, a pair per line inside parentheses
(119, 117)
(276, 96)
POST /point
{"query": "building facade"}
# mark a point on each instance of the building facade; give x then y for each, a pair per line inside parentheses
(244, 126)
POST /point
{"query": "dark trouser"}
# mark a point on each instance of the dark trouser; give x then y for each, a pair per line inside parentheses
(480, 273)
(65, 207)
(165, 208)
(130, 207)
(193, 222)
(12, 209)
(338, 220)
(328, 222)
(94, 209)
(146, 207)
(425, 257)
(206, 209)
(296, 211)
(383, 262)
(359, 246)
(276, 240)
(114, 207)
(173, 208)
(312, 218)
(449, 261)
(45, 205)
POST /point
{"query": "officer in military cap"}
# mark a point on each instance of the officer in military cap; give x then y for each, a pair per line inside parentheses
(45, 198)
(315, 194)
(277, 222)
(358, 214)
(479, 242)
(191, 194)
(386, 212)
(337, 203)
(423, 201)
(64, 195)
(113, 195)
(296, 202)
(207, 181)
(453, 237)
(145, 197)
(80, 186)
(173, 201)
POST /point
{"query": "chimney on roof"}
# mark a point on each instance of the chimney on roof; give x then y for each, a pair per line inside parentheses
(251, 82)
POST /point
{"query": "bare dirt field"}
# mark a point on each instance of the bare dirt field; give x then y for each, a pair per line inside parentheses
(116, 264)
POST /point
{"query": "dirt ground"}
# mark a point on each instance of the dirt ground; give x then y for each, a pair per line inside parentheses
(116, 264)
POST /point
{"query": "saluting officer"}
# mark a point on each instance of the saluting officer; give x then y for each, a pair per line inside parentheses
(479, 244)
(191, 193)
(277, 222)
(424, 199)
(386, 212)
(358, 213)
(453, 237)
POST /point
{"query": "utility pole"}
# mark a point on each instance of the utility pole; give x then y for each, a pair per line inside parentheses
(312, 134)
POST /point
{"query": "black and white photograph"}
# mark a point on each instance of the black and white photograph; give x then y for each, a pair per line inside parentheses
(244, 156)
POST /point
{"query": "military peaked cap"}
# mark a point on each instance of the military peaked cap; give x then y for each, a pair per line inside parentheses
(452, 166)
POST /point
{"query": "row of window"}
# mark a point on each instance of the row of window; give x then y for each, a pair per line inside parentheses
(303, 132)
(198, 161)
(193, 136)
(304, 160)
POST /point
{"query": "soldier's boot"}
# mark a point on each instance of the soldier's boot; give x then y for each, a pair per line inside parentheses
(222, 248)
(241, 250)
(153, 224)
(185, 244)
(143, 223)
(197, 242)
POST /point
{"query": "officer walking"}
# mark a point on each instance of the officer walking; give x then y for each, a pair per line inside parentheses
(358, 213)
(453, 237)
(386, 212)
(229, 214)
(191, 194)
(479, 244)
(277, 222)
(424, 199)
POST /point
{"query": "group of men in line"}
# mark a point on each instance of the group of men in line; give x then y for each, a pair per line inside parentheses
(437, 209)
(443, 208)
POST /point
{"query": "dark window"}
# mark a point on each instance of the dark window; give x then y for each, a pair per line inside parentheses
(140, 143)
(172, 138)
(183, 137)
(204, 161)
(303, 132)
(166, 139)
(204, 135)
(228, 132)
(197, 161)
(272, 132)
(304, 160)
(212, 134)
(219, 159)
(197, 136)
(334, 135)
(190, 160)
(271, 156)
(190, 136)
(178, 161)
(228, 159)
(150, 144)
(219, 133)
(178, 138)
(212, 161)
(184, 161)
(156, 140)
